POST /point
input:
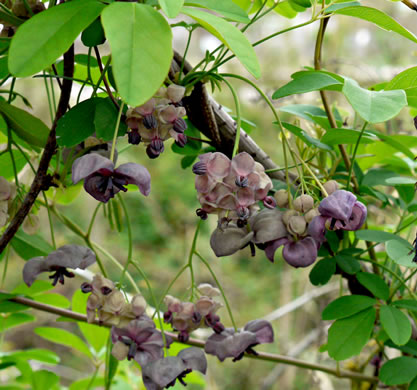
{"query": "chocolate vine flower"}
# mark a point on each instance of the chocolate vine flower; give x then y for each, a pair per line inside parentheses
(103, 182)
(139, 340)
(163, 373)
(234, 344)
(68, 256)
(228, 240)
(109, 304)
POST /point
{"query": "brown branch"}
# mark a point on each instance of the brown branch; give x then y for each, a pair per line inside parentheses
(216, 124)
(40, 179)
(199, 343)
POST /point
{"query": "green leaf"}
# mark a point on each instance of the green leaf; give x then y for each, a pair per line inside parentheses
(377, 236)
(349, 264)
(11, 307)
(28, 246)
(349, 335)
(6, 164)
(374, 106)
(346, 306)
(44, 379)
(105, 120)
(401, 253)
(96, 336)
(374, 284)
(227, 8)
(408, 304)
(346, 136)
(410, 347)
(26, 126)
(285, 9)
(141, 42)
(37, 287)
(15, 319)
(308, 82)
(398, 371)
(336, 6)
(396, 324)
(4, 70)
(93, 35)
(53, 299)
(55, 30)
(304, 111)
(303, 135)
(171, 7)
(322, 271)
(392, 142)
(413, 384)
(63, 337)
(379, 18)
(87, 383)
(231, 36)
(404, 80)
(77, 124)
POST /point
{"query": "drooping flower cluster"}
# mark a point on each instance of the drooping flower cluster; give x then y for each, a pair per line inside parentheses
(7, 194)
(67, 256)
(109, 304)
(186, 317)
(234, 344)
(231, 188)
(300, 230)
(157, 120)
(102, 181)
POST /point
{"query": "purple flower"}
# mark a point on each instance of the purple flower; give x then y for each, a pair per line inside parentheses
(163, 373)
(226, 241)
(338, 206)
(140, 341)
(234, 344)
(68, 256)
(103, 182)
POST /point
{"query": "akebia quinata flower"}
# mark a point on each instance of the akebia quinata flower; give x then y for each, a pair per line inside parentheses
(163, 373)
(58, 262)
(234, 344)
(102, 181)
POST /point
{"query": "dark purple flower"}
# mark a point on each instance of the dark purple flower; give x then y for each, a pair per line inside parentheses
(301, 253)
(357, 217)
(338, 206)
(163, 373)
(155, 148)
(133, 137)
(68, 256)
(140, 341)
(234, 344)
(103, 182)
(317, 228)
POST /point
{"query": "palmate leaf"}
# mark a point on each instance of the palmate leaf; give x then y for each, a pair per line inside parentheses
(49, 34)
(141, 42)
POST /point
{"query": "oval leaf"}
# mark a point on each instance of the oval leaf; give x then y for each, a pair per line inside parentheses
(226, 8)
(55, 30)
(26, 126)
(64, 337)
(401, 253)
(374, 106)
(396, 324)
(141, 42)
(398, 371)
(374, 284)
(322, 271)
(346, 306)
(171, 7)
(408, 304)
(349, 335)
(231, 36)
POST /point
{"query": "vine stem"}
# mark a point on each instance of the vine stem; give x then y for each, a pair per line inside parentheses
(116, 130)
(352, 161)
(220, 288)
(190, 257)
(199, 343)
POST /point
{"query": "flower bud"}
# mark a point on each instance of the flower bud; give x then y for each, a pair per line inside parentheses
(201, 213)
(174, 305)
(200, 168)
(297, 225)
(281, 196)
(180, 125)
(208, 290)
(287, 215)
(138, 305)
(120, 350)
(155, 148)
(86, 288)
(303, 203)
(175, 92)
(181, 140)
(269, 202)
(150, 122)
(133, 137)
(309, 215)
(331, 186)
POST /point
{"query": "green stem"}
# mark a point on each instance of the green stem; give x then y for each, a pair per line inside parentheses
(116, 130)
(190, 33)
(93, 218)
(220, 288)
(352, 160)
(130, 240)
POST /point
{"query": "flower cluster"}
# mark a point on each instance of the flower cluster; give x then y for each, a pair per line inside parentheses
(186, 317)
(67, 256)
(102, 181)
(157, 120)
(7, 194)
(300, 229)
(231, 188)
(109, 304)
